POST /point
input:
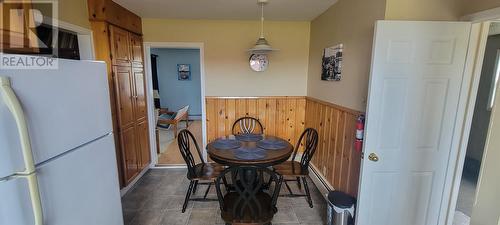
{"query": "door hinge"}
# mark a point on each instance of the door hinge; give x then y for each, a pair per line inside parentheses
(362, 155)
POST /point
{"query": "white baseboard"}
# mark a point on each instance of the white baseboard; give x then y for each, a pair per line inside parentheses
(194, 117)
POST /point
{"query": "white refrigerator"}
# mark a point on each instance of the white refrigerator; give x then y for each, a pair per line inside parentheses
(57, 152)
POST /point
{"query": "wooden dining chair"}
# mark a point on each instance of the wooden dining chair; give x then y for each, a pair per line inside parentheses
(248, 202)
(299, 170)
(247, 125)
(203, 173)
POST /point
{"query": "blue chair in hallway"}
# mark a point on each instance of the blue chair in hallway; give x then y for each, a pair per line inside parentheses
(165, 119)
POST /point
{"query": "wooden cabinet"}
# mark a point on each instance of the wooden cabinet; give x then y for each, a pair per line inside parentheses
(140, 94)
(119, 44)
(143, 141)
(130, 92)
(131, 89)
(136, 43)
(125, 95)
(129, 145)
(15, 37)
(136, 152)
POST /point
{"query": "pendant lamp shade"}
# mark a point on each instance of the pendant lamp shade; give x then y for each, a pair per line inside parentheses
(262, 46)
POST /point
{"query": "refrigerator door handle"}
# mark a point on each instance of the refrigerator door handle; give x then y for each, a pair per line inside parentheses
(14, 106)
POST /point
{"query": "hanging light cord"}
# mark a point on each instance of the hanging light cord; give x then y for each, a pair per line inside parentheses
(262, 20)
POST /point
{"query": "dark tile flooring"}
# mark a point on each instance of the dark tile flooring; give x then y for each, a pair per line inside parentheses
(158, 197)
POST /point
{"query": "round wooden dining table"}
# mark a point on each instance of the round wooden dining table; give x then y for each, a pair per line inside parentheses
(249, 149)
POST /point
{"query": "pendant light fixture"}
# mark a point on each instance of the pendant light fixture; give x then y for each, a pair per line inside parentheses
(261, 46)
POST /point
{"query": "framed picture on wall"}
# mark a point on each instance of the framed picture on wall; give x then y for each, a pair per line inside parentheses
(332, 63)
(184, 71)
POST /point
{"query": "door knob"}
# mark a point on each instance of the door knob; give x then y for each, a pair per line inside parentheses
(373, 157)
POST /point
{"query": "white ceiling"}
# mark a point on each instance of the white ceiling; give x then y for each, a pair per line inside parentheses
(293, 10)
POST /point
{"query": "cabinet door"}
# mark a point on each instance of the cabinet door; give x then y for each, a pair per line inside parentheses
(129, 150)
(143, 140)
(136, 48)
(14, 38)
(124, 95)
(120, 46)
(140, 94)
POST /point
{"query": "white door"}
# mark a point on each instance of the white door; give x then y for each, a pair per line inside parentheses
(414, 95)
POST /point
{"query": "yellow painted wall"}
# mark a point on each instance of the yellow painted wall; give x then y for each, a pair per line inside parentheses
(226, 57)
(75, 12)
(72, 11)
(435, 9)
(474, 6)
(350, 22)
(423, 10)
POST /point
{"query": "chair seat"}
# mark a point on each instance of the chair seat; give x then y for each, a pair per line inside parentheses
(231, 200)
(290, 168)
(207, 171)
(165, 116)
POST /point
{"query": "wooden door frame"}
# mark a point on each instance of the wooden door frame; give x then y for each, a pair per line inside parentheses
(149, 88)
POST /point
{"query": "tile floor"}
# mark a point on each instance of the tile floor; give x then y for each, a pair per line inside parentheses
(158, 196)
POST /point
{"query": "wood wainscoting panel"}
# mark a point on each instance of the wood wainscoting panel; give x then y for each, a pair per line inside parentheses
(335, 159)
(287, 117)
(280, 116)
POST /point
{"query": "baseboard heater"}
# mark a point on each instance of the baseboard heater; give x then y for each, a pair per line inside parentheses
(323, 186)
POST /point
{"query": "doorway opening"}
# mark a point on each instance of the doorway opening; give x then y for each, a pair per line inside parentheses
(484, 102)
(177, 97)
(176, 74)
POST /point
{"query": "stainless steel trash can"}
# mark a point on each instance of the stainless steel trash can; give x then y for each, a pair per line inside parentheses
(340, 208)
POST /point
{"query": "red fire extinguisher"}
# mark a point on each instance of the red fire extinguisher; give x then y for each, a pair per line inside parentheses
(360, 133)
